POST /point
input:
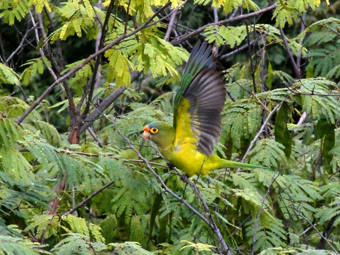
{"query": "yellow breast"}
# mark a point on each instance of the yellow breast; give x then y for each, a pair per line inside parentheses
(187, 158)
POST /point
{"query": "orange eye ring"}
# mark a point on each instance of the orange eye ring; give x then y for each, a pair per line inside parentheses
(154, 130)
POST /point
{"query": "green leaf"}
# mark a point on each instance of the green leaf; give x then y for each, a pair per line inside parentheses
(8, 76)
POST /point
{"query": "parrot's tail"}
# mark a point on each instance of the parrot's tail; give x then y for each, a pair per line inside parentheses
(234, 164)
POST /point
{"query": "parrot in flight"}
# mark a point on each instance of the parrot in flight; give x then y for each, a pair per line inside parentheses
(189, 143)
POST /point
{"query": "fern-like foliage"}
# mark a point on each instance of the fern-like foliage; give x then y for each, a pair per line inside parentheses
(35, 66)
(324, 51)
(229, 6)
(15, 245)
(290, 10)
(321, 105)
(269, 153)
(77, 18)
(78, 244)
(158, 56)
(241, 121)
(11, 11)
(271, 234)
(232, 36)
(81, 244)
(282, 209)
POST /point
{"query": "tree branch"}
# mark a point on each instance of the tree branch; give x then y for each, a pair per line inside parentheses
(242, 47)
(260, 132)
(104, 104)
(171, 24)
(256, 223)
(20, 47)
(252, 69)
(222, 22)
(290, 54)
(303, 27)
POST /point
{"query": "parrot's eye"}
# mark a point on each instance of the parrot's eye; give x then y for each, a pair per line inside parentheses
(154, 130)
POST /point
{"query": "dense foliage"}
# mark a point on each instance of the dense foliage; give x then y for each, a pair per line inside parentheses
(80, 79)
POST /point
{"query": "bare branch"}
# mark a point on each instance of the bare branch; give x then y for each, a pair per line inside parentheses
(215, 48)
(290, 54)
(260, 132)
(250, 56)
(82, 203)
(106, 102)
(95, 137)
(316, 230)
(206, 208)
(171, 24)
(303, 27)
(20, 47)
(57, 66)
(256, 223)
(327, 232)
(242, 47)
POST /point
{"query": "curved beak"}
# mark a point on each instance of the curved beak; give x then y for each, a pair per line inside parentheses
(146, 134)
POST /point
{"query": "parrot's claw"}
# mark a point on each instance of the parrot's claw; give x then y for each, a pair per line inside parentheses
(170, 166)
(184, 178)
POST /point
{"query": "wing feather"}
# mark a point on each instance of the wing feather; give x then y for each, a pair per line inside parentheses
(199, 102)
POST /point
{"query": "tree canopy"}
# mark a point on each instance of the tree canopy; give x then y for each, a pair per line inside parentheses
(80, 78)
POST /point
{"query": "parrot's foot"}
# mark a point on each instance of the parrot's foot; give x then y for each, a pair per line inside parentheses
(170, 166)
(184, 178)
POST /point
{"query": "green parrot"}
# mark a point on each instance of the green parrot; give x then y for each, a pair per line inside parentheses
(189, 143)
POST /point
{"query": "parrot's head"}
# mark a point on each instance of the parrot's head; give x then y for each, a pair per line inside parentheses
(159, 132)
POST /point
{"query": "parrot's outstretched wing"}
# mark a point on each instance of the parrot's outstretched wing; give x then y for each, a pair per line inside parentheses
(199, 101)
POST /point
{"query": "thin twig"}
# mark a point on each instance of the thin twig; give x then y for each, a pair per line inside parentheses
(260, 132)
(24, 95)
(103, 105)
(252, 69)
(95, 137)
(243, 47)
(290, 54)
(112, 156)
(215, 47)
(58, 66)
(327, 232)
(82, 203)
(256, 223)
(171, 24)
(303, 27)
(40, 50)
(316, 230)
(260, 102)
(206, 208)
(307, 229)
(20, 47)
